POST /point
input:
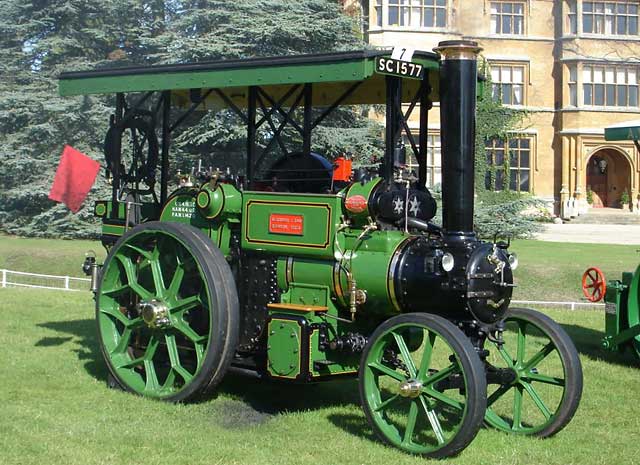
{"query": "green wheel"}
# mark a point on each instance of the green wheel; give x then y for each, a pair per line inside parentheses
(425, 398)
(167, 312)
(541, 384)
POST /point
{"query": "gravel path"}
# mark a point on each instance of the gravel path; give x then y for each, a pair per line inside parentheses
(592, 233)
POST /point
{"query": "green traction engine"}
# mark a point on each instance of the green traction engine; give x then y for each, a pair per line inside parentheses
(622, 307)
(303, 270)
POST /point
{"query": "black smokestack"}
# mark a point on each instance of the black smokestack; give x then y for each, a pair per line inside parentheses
(458, 75)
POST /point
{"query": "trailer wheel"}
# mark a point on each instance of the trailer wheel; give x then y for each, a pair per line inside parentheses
(426, 400)
(167, 312)
(543, 386)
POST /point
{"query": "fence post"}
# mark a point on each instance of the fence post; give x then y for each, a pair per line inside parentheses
(66, 283)
(4, 278)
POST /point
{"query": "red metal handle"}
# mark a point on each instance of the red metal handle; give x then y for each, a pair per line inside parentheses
(594, 285)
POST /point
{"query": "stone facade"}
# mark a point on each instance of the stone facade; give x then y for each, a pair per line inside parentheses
(572, 64)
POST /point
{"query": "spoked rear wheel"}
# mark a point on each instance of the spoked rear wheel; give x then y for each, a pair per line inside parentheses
(545, 384)
(422, 385)
(167, 312)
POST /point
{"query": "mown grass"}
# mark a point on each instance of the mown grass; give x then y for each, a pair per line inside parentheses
(48, 256)
(57, 409)
(552, 271)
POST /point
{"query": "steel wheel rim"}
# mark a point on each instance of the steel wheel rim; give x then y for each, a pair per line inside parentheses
(157, 351)
(527, 383)
(428, 403)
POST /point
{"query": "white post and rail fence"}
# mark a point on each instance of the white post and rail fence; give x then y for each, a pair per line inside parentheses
(10, 278)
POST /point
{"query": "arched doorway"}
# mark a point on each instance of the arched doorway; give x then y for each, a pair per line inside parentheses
(608, 176)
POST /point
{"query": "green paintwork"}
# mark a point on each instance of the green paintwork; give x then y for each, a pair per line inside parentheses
(311, 228)
(364, 190)
(328, 69)
(624, 131)
(622, 313)
(222, 201)
(284, 347)
(525, 355)
(397, 416)
(147, 267)
(321, 363)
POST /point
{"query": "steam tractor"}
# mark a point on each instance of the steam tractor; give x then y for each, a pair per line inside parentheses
(622, 307)
(303, 270)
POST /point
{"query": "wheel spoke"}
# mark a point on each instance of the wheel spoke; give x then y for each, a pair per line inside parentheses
(517, 407)
(497, 420)
(442, 397)
(156, 272)
(426, 355)
(387, 402)
(116, 290)
(149, 353)
(497, 394)
(387, 371)
(521, 342)
(404, 350)
(151, 381)
(540, 356)
(130, 271)
(176, 281)
(188, 331)
(505, 355)
(545, 379)
(186, 304)
(537, 400)
(123, 341)
(145, 253)
(440, 375)
(411, 423)
(118, 315)
(174, 357)
(433, 420)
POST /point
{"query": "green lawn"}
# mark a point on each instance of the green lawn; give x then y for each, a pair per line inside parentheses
(48, 256)
(57, 409)
(552, 271)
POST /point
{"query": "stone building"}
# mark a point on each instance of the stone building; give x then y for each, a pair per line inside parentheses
(573, 64)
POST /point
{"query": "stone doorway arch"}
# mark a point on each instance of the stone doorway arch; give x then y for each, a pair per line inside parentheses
(608, 176)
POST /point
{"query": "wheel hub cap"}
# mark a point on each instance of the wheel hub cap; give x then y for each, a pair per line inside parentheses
(154, 313)
(411, 388)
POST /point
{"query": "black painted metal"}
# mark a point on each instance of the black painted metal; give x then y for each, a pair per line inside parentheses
(191, 109)
(279, 109)
(308, 115)
(336, 104)
(423, 137)
(279, 103)
(166, 141)
(277, 131)
(231, 105)
(251, 134)
(393, 115)
(457, 117)
(117, 149)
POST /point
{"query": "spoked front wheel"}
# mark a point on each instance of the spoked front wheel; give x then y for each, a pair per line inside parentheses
(537, 376)
(167, 312)
(422, 385)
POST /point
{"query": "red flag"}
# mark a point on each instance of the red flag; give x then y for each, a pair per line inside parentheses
(75, 175)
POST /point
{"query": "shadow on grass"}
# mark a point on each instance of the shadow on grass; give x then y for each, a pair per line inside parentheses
(83, 338)
(588, 341)
(263, 396)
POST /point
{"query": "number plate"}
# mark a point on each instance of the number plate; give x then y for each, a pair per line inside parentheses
(399, 68)
(286, 224)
